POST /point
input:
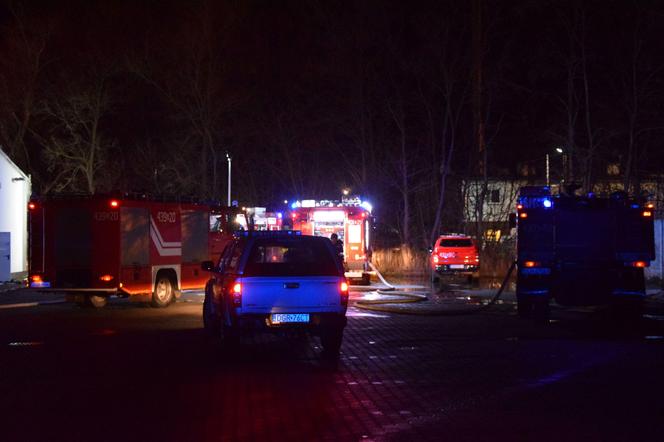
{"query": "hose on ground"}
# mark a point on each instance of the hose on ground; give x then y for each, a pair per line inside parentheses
(379, 305)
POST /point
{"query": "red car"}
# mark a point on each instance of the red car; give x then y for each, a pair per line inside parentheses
(455, 254)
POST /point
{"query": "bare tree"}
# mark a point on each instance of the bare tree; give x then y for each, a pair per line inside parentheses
(74, 143)
(21, 66)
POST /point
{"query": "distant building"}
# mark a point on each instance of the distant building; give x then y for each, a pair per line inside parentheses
(15, 189)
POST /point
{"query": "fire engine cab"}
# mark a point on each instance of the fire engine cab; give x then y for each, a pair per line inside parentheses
(582, 250)
(91, 247)
(350, 219)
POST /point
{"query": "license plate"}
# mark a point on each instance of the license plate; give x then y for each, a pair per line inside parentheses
(283, 318)
(456, 266)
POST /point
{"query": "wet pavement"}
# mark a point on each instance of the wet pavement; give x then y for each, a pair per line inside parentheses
(130, 372)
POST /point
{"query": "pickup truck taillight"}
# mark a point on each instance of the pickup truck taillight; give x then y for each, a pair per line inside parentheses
(343, 291)
(236, 293)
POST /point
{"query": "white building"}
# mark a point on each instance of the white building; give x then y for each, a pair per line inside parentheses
(15, 190)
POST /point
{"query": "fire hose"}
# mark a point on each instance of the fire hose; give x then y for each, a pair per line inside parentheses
(404, 297)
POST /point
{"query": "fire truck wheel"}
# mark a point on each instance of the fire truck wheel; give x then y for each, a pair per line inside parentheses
(163, 292)
(95, 301)
(524, 307)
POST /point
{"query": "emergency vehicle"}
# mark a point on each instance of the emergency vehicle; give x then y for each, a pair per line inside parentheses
(350, 219)
(91, 247)
(582, 250)
(454, 254)
(259, 218)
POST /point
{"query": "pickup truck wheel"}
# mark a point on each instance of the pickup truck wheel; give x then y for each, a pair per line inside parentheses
(163, 293)
(227, 336)
(331, 339)
(211, 323)
(95, 301)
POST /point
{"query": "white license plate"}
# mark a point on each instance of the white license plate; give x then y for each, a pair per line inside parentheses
(284, 318)
(456, 266)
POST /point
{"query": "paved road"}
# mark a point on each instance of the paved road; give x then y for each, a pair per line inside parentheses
(130, 372)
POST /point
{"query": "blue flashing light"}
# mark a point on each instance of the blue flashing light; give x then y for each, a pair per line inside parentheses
(280, 215)
(295, 205)
(547, 203)
(635, 206)
(268, 233)
(367, 206)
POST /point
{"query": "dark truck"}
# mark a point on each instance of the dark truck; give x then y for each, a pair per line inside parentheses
(582, 250)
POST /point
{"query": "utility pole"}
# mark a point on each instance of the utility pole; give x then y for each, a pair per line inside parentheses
(228, 157)
(477, 76)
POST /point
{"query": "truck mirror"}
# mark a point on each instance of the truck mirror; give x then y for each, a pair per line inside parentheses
(208, 266)
(512, 220)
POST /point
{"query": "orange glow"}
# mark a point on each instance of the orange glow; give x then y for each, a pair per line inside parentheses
(36, 278)
(530, 264)
(106, 278)
(114, 203)
(640, 264)
(647, 213)
(650, 206)
(237, 288)
(435, 259)
(523, 215)
(32, 206)
(519, 206)
(343, 287)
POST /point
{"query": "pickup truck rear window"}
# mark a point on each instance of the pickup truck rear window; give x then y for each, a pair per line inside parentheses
(291, 257)
(456, 243)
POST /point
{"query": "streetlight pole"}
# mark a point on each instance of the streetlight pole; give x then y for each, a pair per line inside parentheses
(229, 159)
(548, 181)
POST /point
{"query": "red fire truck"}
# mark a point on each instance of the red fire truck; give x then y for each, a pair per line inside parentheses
(350, 219)
(95, 246)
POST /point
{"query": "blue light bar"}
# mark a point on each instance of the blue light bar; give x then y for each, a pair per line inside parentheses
(268, 233)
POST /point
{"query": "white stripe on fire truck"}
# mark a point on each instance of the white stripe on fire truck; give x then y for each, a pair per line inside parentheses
(164, 248)
(164, 251)
(161, 239)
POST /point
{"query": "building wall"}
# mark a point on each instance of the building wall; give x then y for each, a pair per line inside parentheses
(15, 189)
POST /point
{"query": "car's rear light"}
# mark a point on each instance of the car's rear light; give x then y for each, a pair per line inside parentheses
(639, 264)
(343, 292)
(650, 206)
(523, 215)
(435, 259)
(36, 278)
(114, 203)
(531, 264)
(236, 293)
(519, 206)
(106, 278)
(647, 213)
(32, 206)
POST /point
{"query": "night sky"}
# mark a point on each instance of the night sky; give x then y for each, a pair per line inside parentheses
(313, 96)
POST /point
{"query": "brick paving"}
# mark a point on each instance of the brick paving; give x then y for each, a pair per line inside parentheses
(154, 375)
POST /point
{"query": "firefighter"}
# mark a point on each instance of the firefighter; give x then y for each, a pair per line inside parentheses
(338, 246)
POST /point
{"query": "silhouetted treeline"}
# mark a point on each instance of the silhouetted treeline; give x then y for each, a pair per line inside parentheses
(310, 97)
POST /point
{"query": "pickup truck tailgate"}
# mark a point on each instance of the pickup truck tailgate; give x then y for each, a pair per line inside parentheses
(268, 294)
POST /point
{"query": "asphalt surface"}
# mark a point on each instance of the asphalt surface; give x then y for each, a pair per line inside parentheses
(131, 372)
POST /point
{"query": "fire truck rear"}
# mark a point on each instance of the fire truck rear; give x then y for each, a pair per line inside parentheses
(350, 219)
(95, 246)
(582, 250)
